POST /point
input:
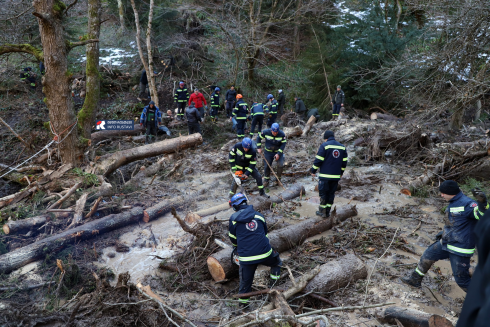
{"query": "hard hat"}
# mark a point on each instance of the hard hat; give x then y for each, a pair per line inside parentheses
(237, 199)
(239, 96)
(270, 96)
(217, 89)
(181, 83)
(275, 127)
(247, 143)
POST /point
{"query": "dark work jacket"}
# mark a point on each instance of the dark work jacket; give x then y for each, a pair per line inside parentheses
(241, 160)
(230, 95)
(458, 236)
(281, 100)
(214, 99)
(241, 110)
(331, 158)
(248, 231)
(476, 307)
(149, 115)
(181, 95)
(272, 107)
(270, 142)
(339, 97)
(300, 106)
(257, 109)
(144, 78)
(313, 112)
(192, 115)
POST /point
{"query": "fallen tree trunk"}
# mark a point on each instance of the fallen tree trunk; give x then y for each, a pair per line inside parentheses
(293, 131)
(100, 136)
(377, 115)
(283, 239)
(109, 163)
(412, 318)
(24, 225)
(308, 126)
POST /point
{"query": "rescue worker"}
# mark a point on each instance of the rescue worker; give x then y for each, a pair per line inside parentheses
(456, 241)
(143, 86)
(248, 234)
(257, 115)
(42, 69)
(337, 102)
(215, 104)
(274, 141)
(272, 109)
(151, 117)
(193, 119)
(181, 97)
(281, 101)
(243, 158)
(313, 112)
(198, 100)
(331, 159)
(28, 77)
(300, 107)
(230, 100)
(240, 113)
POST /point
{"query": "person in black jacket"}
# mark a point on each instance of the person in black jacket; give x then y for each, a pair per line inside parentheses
(230, 100)
(476, 306)
(281, 101)
(331, 158)
(193, 119)
(248, 234)
(337, 102)
(240, 113)
(313, 112)
(143, 85)
(300, 107)
(257, 115)
(274, 141)
(181, 97)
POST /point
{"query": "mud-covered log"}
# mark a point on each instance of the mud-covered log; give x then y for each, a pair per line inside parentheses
(412, 318)
(308, 126)
(24, 225)
(177, 202)
(110, 162)
(37, 250)
(18, 178)
(377, 115)
(293, 131)
(283, 239)
(103, 135)
(337, 273)
(292, 192)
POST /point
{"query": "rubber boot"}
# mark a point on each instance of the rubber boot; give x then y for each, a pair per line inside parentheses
(272, 282)
(266, 182)
(244, 307)
(262, 193)
(415, 279)
(322, 212)
(279, 175)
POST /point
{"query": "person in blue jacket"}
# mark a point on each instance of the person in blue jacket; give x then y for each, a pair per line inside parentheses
(150, 118)
(331, 159)
(274, 141)
(248, 234)
(257, 116)
(457, 240)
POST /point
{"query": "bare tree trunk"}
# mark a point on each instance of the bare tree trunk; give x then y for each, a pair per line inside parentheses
(56, 80)
(398, 14)
(151, 77)
(478, 109)
(86, 116)
(457, 118)
(296, 42)
(121, 15)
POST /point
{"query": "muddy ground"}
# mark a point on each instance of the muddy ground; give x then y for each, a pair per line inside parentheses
(94, 267)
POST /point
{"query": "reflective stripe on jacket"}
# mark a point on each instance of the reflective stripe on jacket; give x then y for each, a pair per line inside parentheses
(331, 158)
(242, 160)
(241, 110)
(257, 109)
(181, 95)
(214, 100)
(270, 142)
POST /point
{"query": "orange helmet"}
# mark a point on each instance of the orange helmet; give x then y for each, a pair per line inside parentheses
(239, 96)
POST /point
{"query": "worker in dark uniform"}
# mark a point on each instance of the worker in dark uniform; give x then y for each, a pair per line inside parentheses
(230, 101)
(181, 97)
(313, 112)
(240, 113)
(257, 116)
(337, 102)
(272, 108)
(248, 234)
(281, 101)
(151, 118)
(331, 159)
(193, 119)
(215, 104)
(28, 77)
(243, 158)
(143, 85)
(42, 69)
(274, 141)
(456, 241)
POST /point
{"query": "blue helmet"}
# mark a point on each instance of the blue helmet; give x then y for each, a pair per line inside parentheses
(275, 127)
(270, 96)
(181, 83)
(217, 89)
(247, 143)
(237, 199)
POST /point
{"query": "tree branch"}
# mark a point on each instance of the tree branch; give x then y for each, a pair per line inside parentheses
(25, 48)
(74, 3)
(45, 17)
(17, 16)
(71, 45)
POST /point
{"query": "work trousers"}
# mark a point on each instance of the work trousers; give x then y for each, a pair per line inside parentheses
(181, 109)
(336, 109)
(255, 174)
(326, 190)
(271, 120)
(143, 94)
(459, 264)
(258, 120)
(214, 111)
(269, 157)
(229, 108)
(201, 112)
(151, 132)
(280, 109)
(240, 128)
(247, 272)
(194, 128)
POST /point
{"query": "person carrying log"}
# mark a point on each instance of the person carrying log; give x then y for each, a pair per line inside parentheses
(181, 97)
(150, 119)
(456, 241)
(331, 159)
(337, 102)
(248, 234)
(243, 159)
(274, 142)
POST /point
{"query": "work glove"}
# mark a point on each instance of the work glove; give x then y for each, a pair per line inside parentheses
(141, 124)
(438, 236)
(479, 195)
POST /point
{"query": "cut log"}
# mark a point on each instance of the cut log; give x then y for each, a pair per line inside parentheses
(308, 125)
(377, 115)
(38, 250)
(78, 217)
(412, 318)
(100, 136)
(17, 178)
(292, 192)
(24, 225)
(219, 263)
(66, 196)
(293, 131)
(178, 202)
(109, 163)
